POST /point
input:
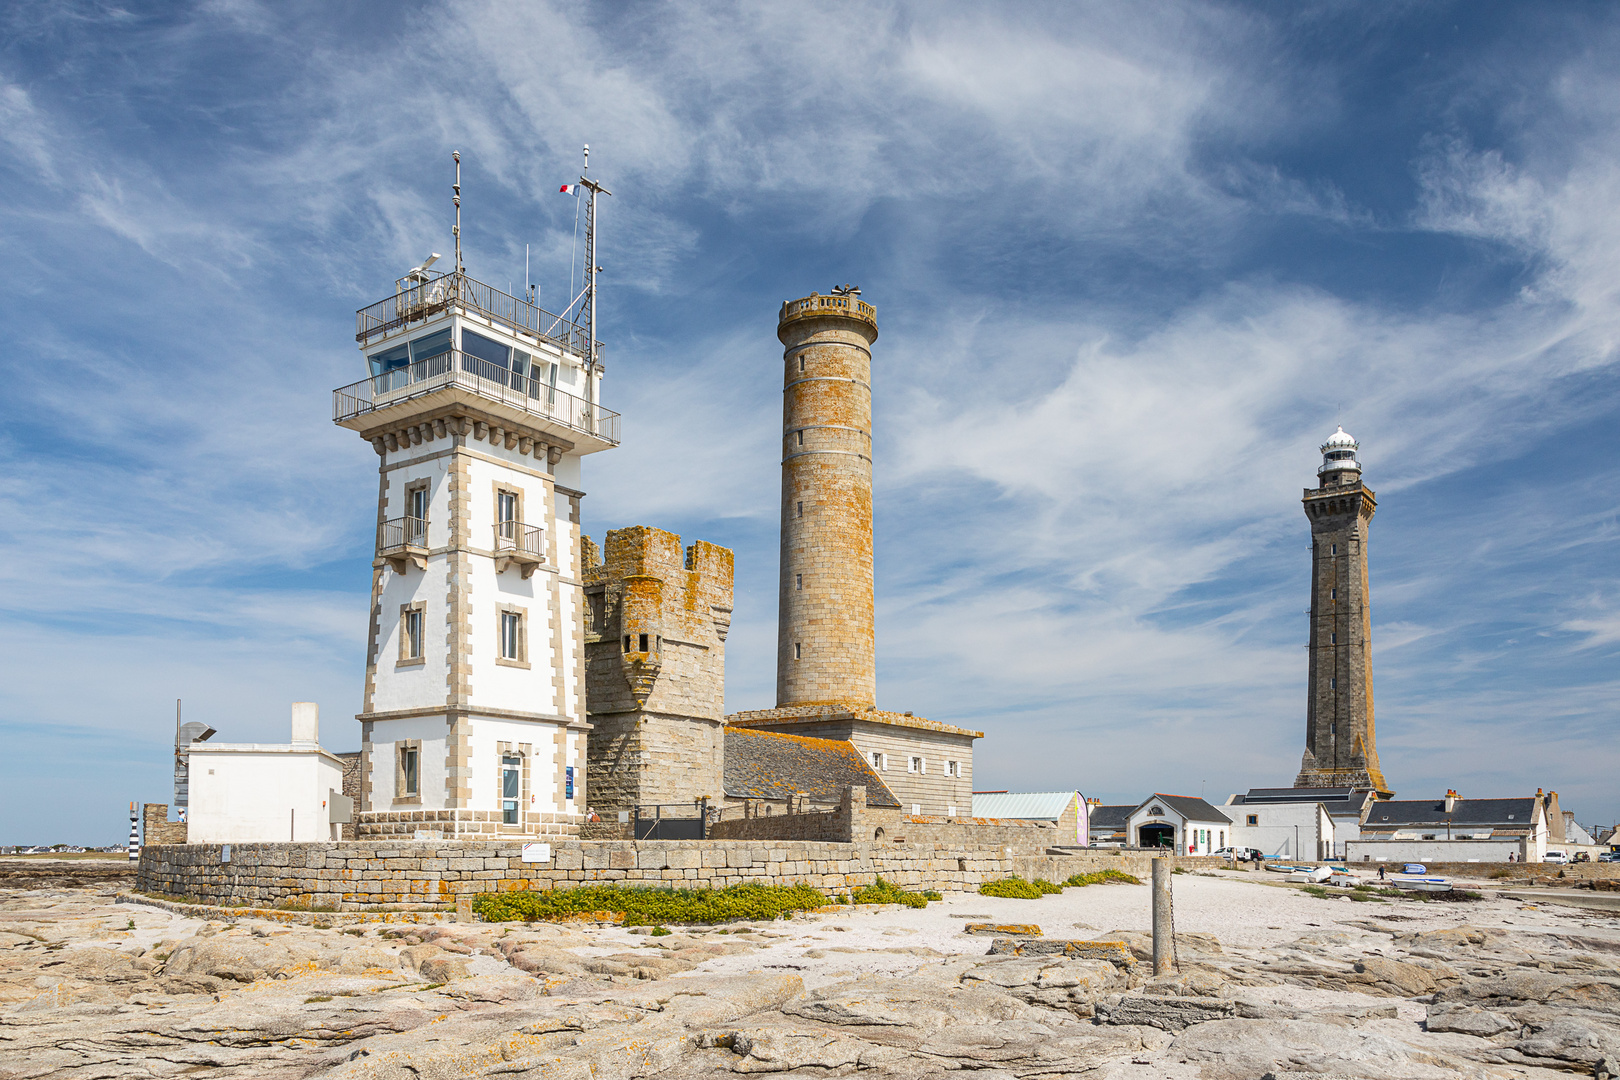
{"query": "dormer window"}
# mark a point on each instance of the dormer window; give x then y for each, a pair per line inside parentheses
(1156, 811)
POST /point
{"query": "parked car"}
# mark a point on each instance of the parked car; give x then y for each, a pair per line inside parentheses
(1238, 854)
(1609, 856)
(1556, 856)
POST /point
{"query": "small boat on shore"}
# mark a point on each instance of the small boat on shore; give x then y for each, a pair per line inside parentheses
(1418, 883)
(1282, 868)
(1313, 875)
(1343, 880)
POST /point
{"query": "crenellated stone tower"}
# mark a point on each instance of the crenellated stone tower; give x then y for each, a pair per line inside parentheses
(655, 666)
(825, 640)
(1341, 749)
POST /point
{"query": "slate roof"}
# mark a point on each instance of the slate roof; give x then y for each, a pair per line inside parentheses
(1188, 806)
(1110, 817)
(1340, 802)
(770, 765)
(1393, 813)
(1030, 806)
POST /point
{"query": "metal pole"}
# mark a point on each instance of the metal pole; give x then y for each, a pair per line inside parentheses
(1163, 927)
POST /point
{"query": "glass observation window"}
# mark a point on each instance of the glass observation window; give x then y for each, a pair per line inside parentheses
(390, 360)
(430, 345)
(491, 352)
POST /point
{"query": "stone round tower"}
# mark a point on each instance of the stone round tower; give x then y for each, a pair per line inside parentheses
(825, 639)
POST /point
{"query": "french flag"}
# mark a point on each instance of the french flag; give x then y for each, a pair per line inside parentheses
(568, 189)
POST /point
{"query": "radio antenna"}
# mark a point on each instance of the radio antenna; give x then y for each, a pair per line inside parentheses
(456, 154)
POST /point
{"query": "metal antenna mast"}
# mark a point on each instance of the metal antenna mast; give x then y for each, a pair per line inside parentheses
(591, 269)
(457, 230)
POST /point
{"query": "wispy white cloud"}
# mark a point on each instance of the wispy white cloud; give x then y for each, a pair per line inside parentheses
(1098, 396)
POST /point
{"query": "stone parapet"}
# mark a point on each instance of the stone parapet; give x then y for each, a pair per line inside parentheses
(462, 825)
(427, 875)
(156, 828)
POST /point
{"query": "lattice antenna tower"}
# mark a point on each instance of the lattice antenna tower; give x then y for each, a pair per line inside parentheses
(591, 269)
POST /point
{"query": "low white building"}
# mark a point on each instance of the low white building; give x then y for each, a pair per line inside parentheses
(1455, 830)
(1182, 823)
(1347, 807)
(267, 792)
(1282, 830)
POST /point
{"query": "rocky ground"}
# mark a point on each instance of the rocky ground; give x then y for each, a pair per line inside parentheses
(1271, 982)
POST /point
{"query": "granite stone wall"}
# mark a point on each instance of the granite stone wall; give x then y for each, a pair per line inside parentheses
(156, 828)
(431, 874)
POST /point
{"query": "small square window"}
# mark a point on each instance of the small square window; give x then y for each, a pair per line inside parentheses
(916, 765)
(877, 760)
(1253, 819)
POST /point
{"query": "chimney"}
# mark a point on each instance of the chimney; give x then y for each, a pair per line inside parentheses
(306, 722)
(1451, 801)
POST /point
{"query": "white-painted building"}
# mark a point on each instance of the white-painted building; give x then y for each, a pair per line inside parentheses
(480, 407)
(266, 792)
(1183, 823)
(1347, 807)
(1468, 830)
(1284, 830)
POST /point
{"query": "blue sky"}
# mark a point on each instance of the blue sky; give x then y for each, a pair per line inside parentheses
(1131, 262)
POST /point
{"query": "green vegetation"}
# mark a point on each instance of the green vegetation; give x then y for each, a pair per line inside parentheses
(660, 931)
(1012, 888)
(933, 894)
(1100, 877)
(882, 892)
(130, 925)
(317, 997)
(643, 906)
(1317, 891)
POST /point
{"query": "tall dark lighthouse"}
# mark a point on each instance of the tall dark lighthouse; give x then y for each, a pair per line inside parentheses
(1341, 748)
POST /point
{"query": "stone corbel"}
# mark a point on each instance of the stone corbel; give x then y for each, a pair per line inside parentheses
(398, 563)
(511, 440)
(480, 430)
(554, 454)
(391, 441)
(380, 445)
(438, 428)
(524, 445)
(722, 621)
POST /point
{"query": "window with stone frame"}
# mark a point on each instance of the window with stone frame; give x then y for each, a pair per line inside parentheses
(917, 765)
(508, 511)
(412, 632)
(408, 770)
(512, 644)
(879, 761)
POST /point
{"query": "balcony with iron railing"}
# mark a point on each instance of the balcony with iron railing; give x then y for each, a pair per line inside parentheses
(519, 544)
(402, 541)
(416, 300)
(457, 373)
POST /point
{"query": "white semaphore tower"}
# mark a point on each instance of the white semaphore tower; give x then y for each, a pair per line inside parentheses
(480, 406)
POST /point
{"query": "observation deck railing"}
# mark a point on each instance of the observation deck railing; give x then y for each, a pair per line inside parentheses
(416, 301)
(493, 382)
